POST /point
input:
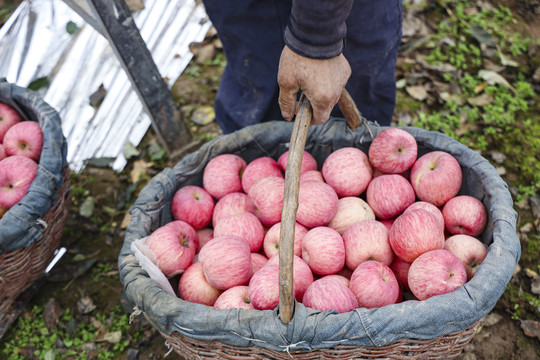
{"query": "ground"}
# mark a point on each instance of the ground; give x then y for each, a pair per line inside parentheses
(86, 282)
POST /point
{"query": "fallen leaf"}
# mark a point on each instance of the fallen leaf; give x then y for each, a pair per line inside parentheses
(482, 100)
(492, 78)
(52, 313)
(417, 92)
(87, 207)
(130, 151)
(113, 337)
(85, 305)
(139, 168)
(203, 115)
(531, 328)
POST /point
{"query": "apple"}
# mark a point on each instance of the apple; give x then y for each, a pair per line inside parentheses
(436, 177)
(323, 250)
(24, 138)
(174, 246)
(436, 272)
(387, 222)
(401, 270)
(2, 152)
(223, 175)
(232, 204)
(308, 162)
(311, 175)
(429, 207)
(330, 294)
(16, 175)
(389, 195)
(346, 272)
(374, 285)
(348, 171)
(414, 233)
(302, 275)
(337, 277)
(267, 195)
(367, 240)
(317, 203)
(8, 117)
(469, 250)
(194, 205)
(393, 151)
(258, 261)
(193, 286)
(272, 237)
(245, 225)
(257, 169)
(204, 236)
(350, 210)
(263, 288)
(226, 261)
(465, 214)
(236, 297)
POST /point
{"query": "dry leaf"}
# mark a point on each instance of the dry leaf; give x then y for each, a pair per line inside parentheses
(85, 305)
(492, 78)
(417, 92)
(531, 328)
(481, 100)
(139, 168)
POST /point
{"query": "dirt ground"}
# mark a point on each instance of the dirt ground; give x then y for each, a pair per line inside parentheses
(98, 217)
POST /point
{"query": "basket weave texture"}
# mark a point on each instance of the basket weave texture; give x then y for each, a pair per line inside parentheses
(439, 327)
(21, 267)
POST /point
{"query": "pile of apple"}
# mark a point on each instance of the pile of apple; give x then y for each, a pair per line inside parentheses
(371, 229)
(21, 142)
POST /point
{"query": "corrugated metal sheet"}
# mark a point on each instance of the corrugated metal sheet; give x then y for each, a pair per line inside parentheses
(34, 44)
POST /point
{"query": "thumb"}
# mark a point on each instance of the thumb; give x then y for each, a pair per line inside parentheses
(287, 101)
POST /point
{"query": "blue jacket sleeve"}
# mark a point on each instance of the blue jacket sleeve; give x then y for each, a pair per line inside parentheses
(316, 28)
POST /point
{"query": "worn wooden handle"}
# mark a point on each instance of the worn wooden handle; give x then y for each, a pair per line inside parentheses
(290, 195)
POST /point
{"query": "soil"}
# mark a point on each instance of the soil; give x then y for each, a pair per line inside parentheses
(94, 239)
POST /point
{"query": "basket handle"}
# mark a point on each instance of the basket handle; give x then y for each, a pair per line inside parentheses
(290, 195)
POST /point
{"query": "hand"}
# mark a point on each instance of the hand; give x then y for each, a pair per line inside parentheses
(321, 80)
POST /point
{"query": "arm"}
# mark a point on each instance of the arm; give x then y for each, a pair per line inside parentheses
(311, 60)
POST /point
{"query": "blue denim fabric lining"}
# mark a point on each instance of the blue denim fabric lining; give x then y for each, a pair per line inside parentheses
(19, 227)
(311, 329)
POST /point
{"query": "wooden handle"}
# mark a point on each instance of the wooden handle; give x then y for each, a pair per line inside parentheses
(290, 195)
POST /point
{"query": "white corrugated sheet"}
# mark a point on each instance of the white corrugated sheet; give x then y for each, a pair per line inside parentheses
(34, 44)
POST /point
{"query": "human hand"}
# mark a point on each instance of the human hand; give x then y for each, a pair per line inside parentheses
(321, 80)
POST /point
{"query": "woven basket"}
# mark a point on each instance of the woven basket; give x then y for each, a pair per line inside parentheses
(21, 267)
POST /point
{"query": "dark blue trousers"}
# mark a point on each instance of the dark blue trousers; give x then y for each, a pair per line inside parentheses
(252, 35)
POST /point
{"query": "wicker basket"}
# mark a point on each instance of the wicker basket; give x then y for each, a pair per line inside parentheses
(196, 331)
(21, 267)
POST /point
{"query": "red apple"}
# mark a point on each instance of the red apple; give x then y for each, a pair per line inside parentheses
(367, 240)
(436, 177)
(350, 210)
(330, 294)
(401, 270)
(257, 169)
(436, 272)
(347, 171)
(258, 261)
(193, 286)
(469, 250)
(302, 275)
(173, 245)
(2, 152)
(267, 195)
(312, 175)
(323, 250)
(204, 235)
(16, 175)
(341, 278)
(226, 261)
(374, 285)
(193, 205)
(8, 117)
(232, 204)
(236, 297)
(245, 225)
(317, 203)
(272, 237)
(223, 175)
(308, 162)
(393, 151)
(414, 233)
(389, 195)
(429, 207)
(264, 288)
(24, 138)
(465, 214)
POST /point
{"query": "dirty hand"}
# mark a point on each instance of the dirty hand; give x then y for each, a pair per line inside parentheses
(321, 80)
